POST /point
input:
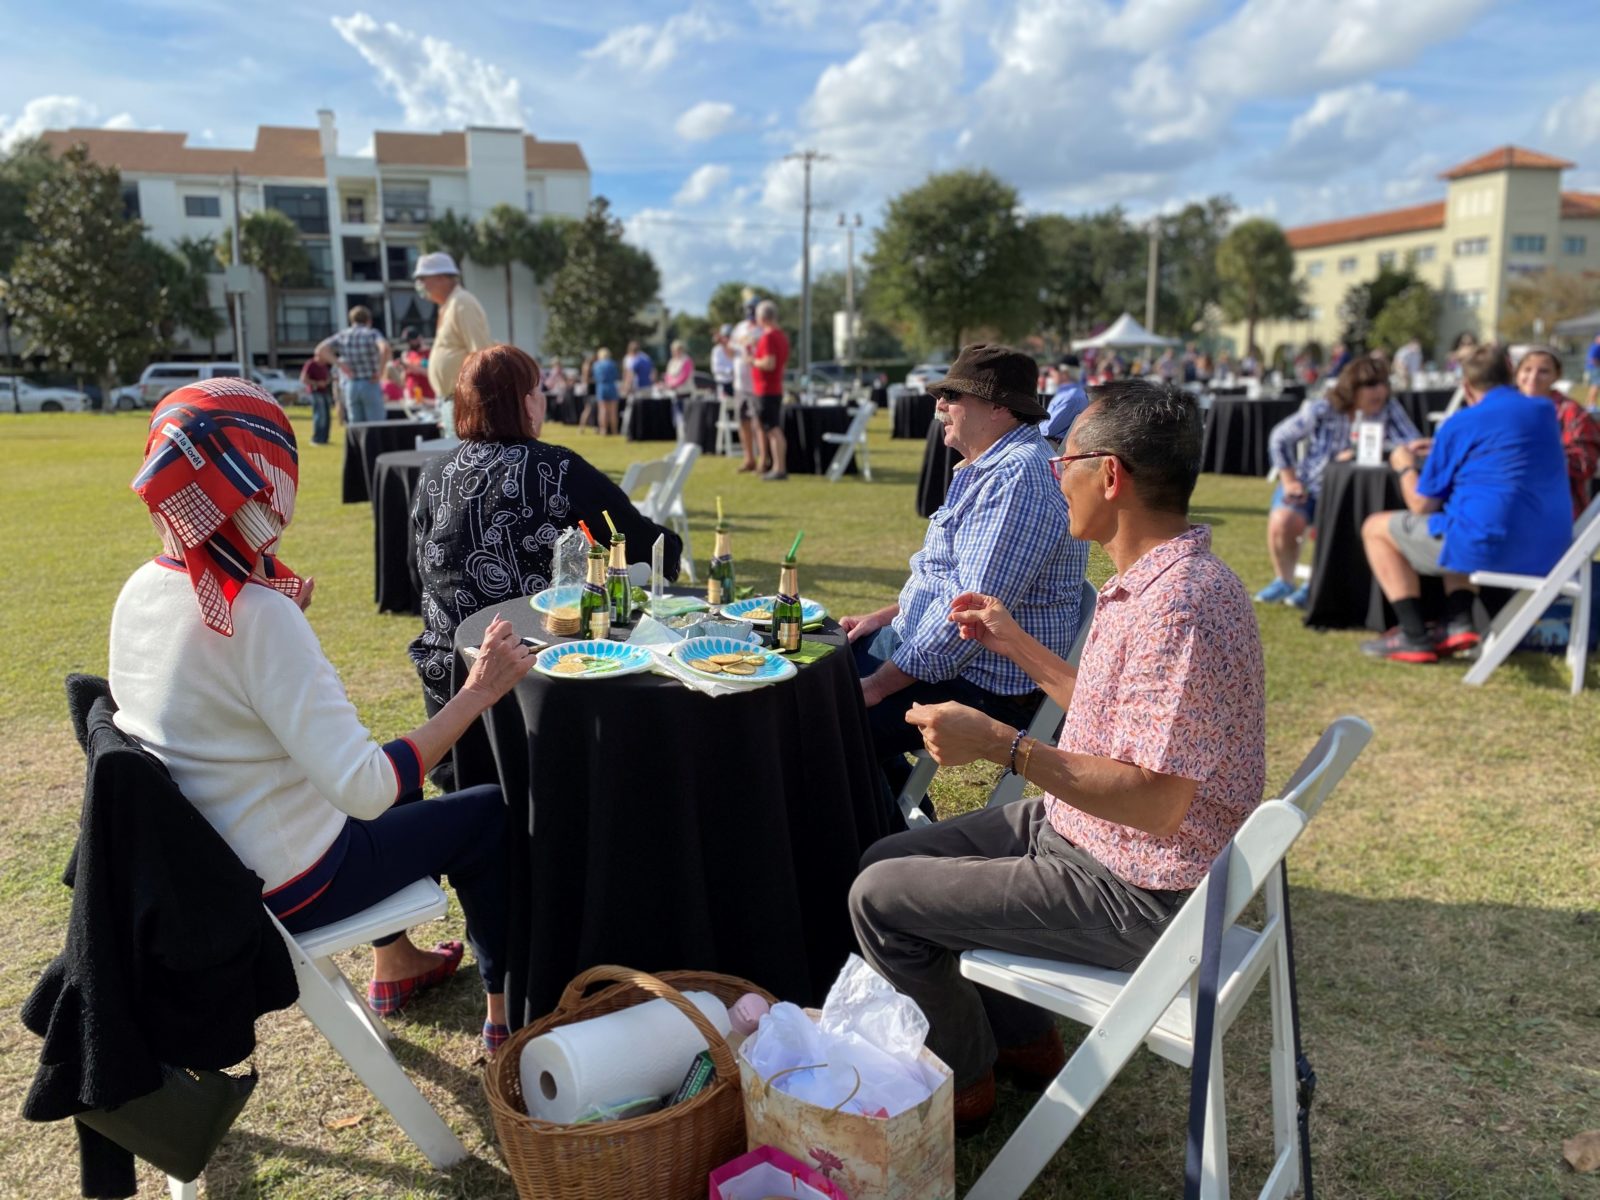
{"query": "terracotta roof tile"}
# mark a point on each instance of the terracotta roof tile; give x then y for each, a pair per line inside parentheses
(1578, 205)
(279, 151)
(553, 156)
(1505, 158)
(1353, 229)
(420, 149)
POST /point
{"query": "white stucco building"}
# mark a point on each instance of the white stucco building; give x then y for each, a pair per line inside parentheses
(361, 217)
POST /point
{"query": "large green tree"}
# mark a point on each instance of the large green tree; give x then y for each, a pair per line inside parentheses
(1093, 270)
(603, 282)
(83, 289)
(1255, 271)
(1412, 313)
(22, 169)
(953, 255)
(191, 301)
(456, 236)
(1364, 301)
(1187, 278)
(500, 240)
(271, 244)
(726, 306)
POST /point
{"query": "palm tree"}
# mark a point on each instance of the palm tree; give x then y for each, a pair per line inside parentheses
(502, 242)
(452, 234)
(272, 246)
(1255, 265)
(193, 306)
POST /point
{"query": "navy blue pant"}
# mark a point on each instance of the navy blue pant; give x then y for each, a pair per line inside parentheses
(461, 835)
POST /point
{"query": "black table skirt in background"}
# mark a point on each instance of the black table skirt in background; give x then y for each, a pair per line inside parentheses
(912, 413)
(938, 465)
(655, 827)
(1237, 431)
(365, 440)
(803, 427)
(1418, 405)
(650, 420)
(700, 414)
(564, 409)
(397, 584)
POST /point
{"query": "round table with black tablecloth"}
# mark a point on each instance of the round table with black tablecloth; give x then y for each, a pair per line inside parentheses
(650, 420)
(397, 585)
(912, 412)
(1343, 593)
(1418, 405)
(657, 827)
(565, 408)
(938, 465)
(880, 395)
(1236, 434)
(700, 416)
(803, 427)
(364, 441)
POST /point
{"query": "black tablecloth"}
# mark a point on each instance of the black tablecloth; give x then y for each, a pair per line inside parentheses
(803, 426)
(938, 465)
(650, 420)
(659, 828)
(912, 412)
(397, 586)
(565, 408)
(393, 410)
(700, 414)
(1344, 595)
(1236, 434)
(1418, 405)
(365, 440)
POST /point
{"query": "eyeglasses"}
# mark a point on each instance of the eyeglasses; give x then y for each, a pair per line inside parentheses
(1059, 463)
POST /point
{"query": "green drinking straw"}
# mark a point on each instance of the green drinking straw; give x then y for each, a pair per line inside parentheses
(796, 545)
(609, 522)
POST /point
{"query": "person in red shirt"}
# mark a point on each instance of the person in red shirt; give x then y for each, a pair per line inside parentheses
(771, 355)
(1537, 372)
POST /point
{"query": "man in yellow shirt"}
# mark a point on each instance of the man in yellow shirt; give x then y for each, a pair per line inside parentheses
(461, 328)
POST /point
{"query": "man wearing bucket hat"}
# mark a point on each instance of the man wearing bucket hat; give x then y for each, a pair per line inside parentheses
(462, 328)
(1003, 525)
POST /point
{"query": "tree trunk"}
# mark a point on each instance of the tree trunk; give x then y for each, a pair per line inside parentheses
(511, 324)
(1250, 332)
(272, 329)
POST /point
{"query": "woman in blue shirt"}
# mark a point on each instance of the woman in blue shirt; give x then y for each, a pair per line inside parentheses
(1327, 427)
(606, 376)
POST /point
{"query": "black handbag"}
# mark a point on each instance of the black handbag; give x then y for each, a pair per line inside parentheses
(179, 1126)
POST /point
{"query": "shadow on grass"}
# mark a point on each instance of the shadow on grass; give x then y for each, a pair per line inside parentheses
(253, 1166)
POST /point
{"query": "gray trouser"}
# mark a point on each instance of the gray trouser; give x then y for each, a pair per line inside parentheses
(1004, 879)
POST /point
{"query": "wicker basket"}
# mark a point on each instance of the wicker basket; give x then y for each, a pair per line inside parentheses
(665, 1155)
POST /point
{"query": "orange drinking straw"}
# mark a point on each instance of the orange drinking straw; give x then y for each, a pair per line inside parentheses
(586, 532)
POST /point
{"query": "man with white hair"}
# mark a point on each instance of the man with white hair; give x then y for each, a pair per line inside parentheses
(461, 328)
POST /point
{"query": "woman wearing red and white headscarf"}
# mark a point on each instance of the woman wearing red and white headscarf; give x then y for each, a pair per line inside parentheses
(216, 671)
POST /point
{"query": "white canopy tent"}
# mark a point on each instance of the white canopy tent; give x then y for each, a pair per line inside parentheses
(1125, 334)
(1582, 327)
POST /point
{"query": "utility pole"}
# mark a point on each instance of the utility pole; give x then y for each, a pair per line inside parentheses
(850, 228)
(1150, 275)
(806, 157)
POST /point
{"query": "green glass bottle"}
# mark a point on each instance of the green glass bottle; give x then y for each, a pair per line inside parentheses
(618, 589)
(719, 584)
(786, 613)
(594, 606)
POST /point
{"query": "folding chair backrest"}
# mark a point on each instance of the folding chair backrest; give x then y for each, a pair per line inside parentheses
(1327, 763)
(648, 475)
(679, 463)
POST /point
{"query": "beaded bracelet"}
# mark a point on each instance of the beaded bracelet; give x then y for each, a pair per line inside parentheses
(1012, 769)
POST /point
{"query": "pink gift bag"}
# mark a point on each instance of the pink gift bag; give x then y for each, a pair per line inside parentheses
(767, 1172)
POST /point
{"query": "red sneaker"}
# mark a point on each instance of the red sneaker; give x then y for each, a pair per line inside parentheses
(1457, 637)
(1398, 646)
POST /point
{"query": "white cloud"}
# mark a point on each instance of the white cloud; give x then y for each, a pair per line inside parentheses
(701, 186)
(1573, 123)
(1344, 128)
(56, 112)
(646, 49)
(705, 120)
(438, 84)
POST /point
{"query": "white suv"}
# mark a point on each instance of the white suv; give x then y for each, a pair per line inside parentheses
(159, 379)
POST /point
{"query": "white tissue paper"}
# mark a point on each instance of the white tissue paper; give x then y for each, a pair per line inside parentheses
(862, 1053)
(640, 1051)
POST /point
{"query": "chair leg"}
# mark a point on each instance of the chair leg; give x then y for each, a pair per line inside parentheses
(182, 1191)
(329, 970)
(1520, 616)
(1578, 638)
(1285, 1100)
(375, 1066)
(865, 459)
(1214, 1155)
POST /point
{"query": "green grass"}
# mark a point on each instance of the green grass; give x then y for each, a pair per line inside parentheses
(1445, 898)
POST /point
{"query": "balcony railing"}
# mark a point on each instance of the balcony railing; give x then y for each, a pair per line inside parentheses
(407, 214)
(363, 271)
(309, 329)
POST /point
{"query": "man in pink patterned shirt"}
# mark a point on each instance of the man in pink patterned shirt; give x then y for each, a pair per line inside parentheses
(1162, 756)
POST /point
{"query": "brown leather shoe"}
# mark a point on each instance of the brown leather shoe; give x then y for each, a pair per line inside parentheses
(1031, 1067)
(974, 1105)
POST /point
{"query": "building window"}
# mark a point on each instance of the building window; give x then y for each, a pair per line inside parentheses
(1386, 260)
(1347, 265)
(304, 322)
(130, 201)
(319, 258)
(1527, 243)
(1471, 247)
(1467, 300)
(361, 261)
(406, 203)
(355, 210)
(1314, 313)
(1422, 254)
(532, 204)
(1314, 268)
(202, 206)
(306, 207)
(1574, 245)
(402, 259)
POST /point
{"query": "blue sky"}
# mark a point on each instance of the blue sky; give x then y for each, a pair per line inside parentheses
(1300, 109)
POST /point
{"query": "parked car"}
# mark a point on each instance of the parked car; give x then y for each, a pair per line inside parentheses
(159, 379)
(18, 395)
(280, 383)
(923, 374)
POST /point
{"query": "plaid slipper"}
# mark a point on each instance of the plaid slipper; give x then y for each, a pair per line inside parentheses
(494, 1036)
(390, 997)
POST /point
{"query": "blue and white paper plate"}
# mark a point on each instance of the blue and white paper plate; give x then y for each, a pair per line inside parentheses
(608, 660)
(556, 597)
(695, 652)
(747, 610)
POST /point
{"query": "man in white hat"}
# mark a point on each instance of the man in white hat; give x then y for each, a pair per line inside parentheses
(462, 327)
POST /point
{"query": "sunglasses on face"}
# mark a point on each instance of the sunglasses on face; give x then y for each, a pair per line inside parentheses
(1059, 463)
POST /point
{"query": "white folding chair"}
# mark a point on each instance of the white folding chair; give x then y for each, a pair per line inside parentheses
(1044, 727)
(852, 443)
(438, 443)
(1154, 1005)
(1572, 577)
(352, 1029)
(663, 502)
(728, 430)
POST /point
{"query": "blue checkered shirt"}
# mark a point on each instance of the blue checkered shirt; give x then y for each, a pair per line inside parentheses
(1002, 531)
(358, 348)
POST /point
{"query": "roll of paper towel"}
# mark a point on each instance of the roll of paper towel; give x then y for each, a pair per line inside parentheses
(639, 1051)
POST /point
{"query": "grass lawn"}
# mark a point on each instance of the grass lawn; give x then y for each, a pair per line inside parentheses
(1446, 899)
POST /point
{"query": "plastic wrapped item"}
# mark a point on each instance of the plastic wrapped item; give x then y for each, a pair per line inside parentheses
(569, 559)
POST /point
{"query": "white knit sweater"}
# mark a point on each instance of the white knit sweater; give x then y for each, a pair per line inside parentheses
(255, 728)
